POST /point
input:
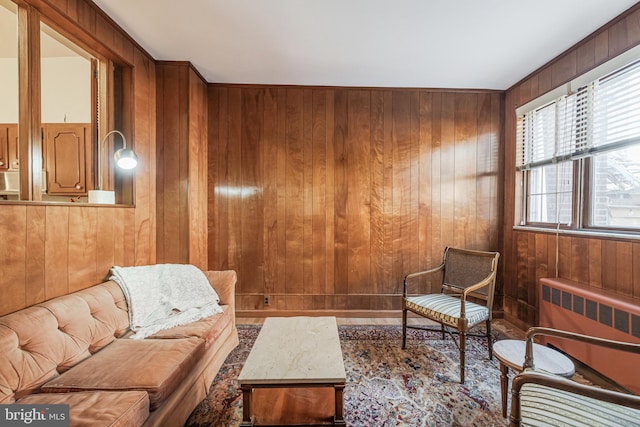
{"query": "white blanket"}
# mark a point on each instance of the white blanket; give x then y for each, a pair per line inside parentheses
(165, 295)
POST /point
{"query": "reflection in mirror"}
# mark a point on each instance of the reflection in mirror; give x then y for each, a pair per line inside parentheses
(9, 182)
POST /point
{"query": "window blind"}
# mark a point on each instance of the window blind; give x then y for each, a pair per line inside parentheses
(616, 109)
(601, 115)
(547, 134)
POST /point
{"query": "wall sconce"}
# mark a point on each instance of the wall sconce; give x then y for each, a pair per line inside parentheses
(125, 158)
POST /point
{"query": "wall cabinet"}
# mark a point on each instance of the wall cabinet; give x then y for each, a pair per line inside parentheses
(9, 146)
(67, 156)
(69, 160)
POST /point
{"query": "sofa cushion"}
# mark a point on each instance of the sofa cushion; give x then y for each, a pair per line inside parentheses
(36, 348)
(155, 366)
(98, 408)
(209, 328)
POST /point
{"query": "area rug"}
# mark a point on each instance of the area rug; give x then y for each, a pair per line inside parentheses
(386, 386)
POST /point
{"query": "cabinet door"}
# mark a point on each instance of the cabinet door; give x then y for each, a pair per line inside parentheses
(9, 146)
(4, 147)
(12, 138)
(66, 159)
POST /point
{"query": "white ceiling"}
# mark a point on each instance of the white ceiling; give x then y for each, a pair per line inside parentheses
(482, 44)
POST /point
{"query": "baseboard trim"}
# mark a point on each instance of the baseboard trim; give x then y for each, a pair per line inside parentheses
(515, 321)
(335, 313)
(499, 314)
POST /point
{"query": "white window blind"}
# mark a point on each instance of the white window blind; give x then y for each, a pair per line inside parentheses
(547, 134)
(600, 116)
(616, 109)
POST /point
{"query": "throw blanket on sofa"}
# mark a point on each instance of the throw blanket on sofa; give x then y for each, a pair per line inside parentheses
(162, 296)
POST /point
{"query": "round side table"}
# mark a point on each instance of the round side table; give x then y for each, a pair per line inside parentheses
(510, 353)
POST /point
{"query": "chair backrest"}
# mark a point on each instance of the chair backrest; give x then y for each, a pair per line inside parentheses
(464, 267)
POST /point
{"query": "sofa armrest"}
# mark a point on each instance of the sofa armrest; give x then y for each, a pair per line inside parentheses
(224, 282)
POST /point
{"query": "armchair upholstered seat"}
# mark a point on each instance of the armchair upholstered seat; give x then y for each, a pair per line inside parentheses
(465, 297)
(543, 399)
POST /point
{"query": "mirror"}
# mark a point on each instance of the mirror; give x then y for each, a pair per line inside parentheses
(80, 99)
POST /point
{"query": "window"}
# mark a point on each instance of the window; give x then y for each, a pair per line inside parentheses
(579, 153)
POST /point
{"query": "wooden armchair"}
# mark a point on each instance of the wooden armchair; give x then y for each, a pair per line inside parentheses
(465, 273)
(541, 398)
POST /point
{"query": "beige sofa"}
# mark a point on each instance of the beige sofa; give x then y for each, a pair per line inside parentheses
(74, 350)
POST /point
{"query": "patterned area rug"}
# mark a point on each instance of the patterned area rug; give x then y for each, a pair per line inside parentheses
(386, 386)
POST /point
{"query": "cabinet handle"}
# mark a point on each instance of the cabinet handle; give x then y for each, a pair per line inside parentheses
(1, 163)
(78, 187)
(16, 163)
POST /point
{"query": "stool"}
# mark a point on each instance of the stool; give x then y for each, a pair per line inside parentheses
(511, 353)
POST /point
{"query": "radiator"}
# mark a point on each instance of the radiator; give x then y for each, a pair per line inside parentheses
(576, 307)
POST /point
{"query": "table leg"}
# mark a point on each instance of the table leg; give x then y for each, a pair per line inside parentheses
(247, 393)
(504, 387)
(338, 418)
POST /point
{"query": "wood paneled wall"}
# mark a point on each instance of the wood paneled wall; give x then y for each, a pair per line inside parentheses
(324, 198)
(49, 250)
(182, 165)
(604, 263)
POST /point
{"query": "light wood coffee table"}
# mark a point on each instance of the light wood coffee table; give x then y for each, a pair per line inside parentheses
(511, 354)
(294, 374)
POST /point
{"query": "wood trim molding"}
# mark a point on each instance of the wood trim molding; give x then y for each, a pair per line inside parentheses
(52, 11)
(390, 314)
(584, 41)
(29, 136)
(336, 313)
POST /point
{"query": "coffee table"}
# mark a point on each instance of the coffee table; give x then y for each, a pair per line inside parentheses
(511, 354)
(294, 374)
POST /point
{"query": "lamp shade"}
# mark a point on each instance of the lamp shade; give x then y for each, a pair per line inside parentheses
(125, 158)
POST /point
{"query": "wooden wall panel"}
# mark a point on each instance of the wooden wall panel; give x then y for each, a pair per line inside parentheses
(145, 146)
(35, 266)
(318, 188)
(105, 242)
(610, 264)
(341, 192)
(13, 227)
(82, 247)
(197, 171)
(324, 198)
(358, 183)
(57, 251)
(50, 250)
(251, 224)
(182, 122)
(172, 243)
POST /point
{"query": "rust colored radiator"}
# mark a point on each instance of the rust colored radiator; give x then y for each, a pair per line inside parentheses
(575, 307)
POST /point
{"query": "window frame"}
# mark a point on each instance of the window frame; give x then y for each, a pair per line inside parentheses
(574, 203)
(582, 190)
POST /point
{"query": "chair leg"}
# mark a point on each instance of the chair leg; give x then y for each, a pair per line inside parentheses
(404, 328)
(442, 329)
(463, 342)
(489, 340)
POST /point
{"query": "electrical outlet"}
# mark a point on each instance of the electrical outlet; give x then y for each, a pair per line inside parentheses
(266, 300)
